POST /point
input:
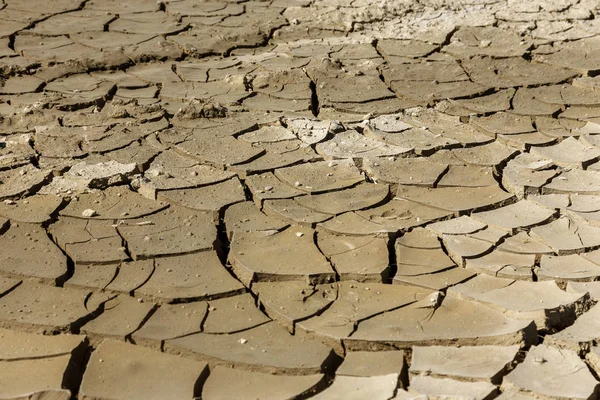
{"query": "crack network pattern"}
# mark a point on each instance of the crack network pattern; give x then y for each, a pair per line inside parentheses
(293, 199)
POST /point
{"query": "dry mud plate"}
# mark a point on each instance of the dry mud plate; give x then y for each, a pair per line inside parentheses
(295, 199)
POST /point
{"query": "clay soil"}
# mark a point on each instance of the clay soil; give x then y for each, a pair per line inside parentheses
(293, 199)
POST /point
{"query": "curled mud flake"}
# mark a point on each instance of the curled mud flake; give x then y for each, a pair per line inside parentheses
(226, 382)
(555, 362)
(442, 387)
(309, 263)
(116, 359)
(269, 348)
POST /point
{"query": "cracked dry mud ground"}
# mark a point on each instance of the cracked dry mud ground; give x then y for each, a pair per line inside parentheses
(294, 199)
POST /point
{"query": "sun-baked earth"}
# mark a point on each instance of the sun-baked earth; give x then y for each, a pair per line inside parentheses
(295, 199)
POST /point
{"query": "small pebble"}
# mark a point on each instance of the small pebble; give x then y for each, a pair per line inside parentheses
(88, 213)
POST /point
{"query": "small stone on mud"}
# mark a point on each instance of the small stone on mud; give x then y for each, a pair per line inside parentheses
(88, 213)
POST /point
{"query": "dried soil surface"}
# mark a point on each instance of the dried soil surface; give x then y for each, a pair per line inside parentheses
(294, 199)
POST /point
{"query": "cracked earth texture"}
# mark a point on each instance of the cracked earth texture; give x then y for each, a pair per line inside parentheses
(294, 199)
